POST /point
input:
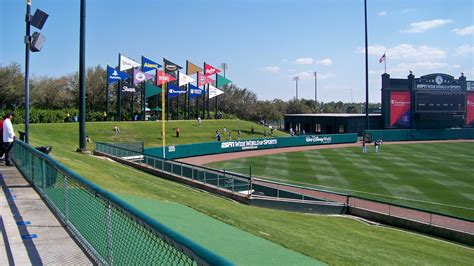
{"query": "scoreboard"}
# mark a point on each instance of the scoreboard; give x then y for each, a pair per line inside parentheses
(440, 101)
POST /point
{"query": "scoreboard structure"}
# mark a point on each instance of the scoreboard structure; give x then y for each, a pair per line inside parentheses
(432, 101)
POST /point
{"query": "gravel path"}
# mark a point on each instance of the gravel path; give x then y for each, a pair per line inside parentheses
(201, 160)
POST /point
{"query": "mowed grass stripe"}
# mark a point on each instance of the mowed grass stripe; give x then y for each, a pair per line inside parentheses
(418, 175)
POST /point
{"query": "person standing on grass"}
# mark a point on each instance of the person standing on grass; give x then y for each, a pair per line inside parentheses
(8, 138)
(252, 130)
(177, 132)
(239, 134)
(376, 145)
(364, 146)
(2, 154)
(199, 121)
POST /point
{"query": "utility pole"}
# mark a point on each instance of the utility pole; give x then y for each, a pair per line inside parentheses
(296, 81)
(82, 78)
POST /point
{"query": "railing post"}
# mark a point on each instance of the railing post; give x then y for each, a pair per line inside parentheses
(389, 210)
(431, 217)
(218, 179)
(109, 234)
(154, 163)
(192, 172)
(233, 184)
(43, 175)
(66, 211)
(278, 191)
(181, 169)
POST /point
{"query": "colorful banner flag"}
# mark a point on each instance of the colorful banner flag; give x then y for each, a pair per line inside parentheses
(210, 70)
(114, 75)
(174, 90)
(139, 76)
(192, 68)
(221, 81)
(126, 63)
(151, 90)
(184, 79)
(382, 58)
(170, 66)
(202, 79)
(195, 91)
(160, 79)
(213, 92)
(149, 65)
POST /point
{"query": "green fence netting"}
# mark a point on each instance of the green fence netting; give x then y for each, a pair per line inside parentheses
(109, 229)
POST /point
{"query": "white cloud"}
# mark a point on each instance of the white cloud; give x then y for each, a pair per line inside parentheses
(382, 13)
(309, 75)
(406, 52)
(325, 62)
(304, 61)
(422, 26)
(469, 30)
(464, 50)
(272, 69)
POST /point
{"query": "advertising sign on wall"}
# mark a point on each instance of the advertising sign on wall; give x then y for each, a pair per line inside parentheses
(470, 109)
(400, 105)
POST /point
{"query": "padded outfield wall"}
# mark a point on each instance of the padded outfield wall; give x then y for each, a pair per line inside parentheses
(421, 134)
(198, 149)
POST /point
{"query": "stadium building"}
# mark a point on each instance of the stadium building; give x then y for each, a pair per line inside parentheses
(433, 101)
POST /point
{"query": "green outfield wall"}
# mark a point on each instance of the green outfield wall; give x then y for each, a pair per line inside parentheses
(198, 149)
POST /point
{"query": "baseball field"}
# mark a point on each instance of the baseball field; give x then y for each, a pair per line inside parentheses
(431, 176)
(329, 239)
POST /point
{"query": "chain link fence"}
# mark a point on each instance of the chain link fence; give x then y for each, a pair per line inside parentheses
(109, 229)
(222, 179)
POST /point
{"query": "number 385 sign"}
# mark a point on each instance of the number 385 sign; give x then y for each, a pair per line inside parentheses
(171, 148)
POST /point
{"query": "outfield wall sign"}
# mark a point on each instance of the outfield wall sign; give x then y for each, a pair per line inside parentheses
(248, 144)
(199, 149)
(470, 86)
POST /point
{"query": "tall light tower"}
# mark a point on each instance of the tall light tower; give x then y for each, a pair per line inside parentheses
(224, 67)
(296, 80)
(366, 71)
(33, 43)
(315, 86)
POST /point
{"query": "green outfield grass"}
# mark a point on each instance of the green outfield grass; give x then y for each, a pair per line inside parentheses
(432, 176)
(335, 240)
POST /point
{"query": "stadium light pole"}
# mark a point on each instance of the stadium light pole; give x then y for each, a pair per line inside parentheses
(27, 70)
(296, 80)
(224, 67)
(366, 71)
(315, 86)
(82, 77)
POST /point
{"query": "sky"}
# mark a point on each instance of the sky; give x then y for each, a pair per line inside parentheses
(266, 43)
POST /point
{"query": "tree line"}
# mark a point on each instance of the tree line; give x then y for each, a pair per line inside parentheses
(60, 93)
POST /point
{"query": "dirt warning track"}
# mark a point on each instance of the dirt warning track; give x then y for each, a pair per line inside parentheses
(201, 160)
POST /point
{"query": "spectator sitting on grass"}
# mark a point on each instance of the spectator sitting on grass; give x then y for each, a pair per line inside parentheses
(239, 134)
(88, 139)
(116, 129)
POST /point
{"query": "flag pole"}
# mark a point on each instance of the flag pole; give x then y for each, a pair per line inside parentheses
(163, 129)
(107, 96)
(385, 62)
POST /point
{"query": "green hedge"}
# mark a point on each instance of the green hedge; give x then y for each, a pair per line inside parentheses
(53, 116)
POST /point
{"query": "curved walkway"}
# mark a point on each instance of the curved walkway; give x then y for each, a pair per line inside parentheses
(201, 160)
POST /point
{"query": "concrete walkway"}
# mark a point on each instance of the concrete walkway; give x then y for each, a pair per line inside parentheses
(29, 233)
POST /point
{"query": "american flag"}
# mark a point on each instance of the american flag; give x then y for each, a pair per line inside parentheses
(382, 58)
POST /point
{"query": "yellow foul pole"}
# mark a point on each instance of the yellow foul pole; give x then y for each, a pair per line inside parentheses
(163, 129)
